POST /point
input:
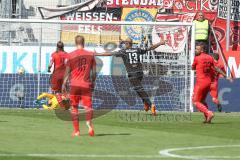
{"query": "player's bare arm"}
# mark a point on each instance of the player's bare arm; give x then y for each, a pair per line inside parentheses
(103, 54)
(220, 71)
(223, 73)
(66, 77)
(94, 72)
(194, 64)
(154, 46)
(50, 66)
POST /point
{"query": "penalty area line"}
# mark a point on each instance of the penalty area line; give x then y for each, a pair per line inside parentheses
(167, 153)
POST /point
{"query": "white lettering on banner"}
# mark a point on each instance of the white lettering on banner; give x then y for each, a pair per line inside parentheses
(90, 29)
(232, 65)
(221, 95)
(235, 11)
(189, 7)
(14, 57)
(186, 5)
(136, 2)
(203, 5)
(90, 16)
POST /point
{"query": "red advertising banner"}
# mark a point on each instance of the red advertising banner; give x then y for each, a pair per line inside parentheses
(175, 35)
(216, 12)
(232, 56)
(94, 34)
(135, 3)
(195, 5)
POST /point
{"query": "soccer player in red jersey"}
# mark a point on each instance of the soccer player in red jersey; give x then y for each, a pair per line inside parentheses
(58, 60)
(81, 72)
(204, 66)
(214, 85)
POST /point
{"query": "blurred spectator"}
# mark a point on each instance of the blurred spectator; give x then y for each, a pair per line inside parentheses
(202, 30)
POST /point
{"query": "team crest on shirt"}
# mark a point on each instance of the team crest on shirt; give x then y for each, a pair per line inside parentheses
(136, 32)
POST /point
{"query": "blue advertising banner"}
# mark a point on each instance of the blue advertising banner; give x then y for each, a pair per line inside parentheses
(111, 92)
(114, 92)
(228, 95)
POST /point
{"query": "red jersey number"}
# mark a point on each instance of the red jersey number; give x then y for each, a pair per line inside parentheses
(82, 64)
(207, 68)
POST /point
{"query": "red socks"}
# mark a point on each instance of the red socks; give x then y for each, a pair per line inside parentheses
(75, 118)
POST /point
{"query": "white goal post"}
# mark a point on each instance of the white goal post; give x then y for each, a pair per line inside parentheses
(28, 43)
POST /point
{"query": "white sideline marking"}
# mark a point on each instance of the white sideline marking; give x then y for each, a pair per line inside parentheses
(80, 155)
(167, 153)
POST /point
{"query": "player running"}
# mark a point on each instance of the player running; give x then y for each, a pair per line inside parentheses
(214, 85)
(81, 71)
(58, 60)
(204, 66)
(132, 61)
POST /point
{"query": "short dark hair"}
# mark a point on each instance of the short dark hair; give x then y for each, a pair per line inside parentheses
(215, 56)
(79, 40)
(60, 46)
(202, 45)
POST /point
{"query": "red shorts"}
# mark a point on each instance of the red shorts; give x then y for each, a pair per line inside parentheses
(78, 94)
(214, 89)
(200, 92)
(57, 81)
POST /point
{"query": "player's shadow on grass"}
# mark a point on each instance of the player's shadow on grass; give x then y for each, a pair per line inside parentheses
(218, 123)
(112, 134)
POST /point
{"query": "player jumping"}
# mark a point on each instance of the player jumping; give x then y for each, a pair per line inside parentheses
(80, 65)
(204, 66)
(58, 59)
(132, 61)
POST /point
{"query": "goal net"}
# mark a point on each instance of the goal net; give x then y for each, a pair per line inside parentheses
(167, 79)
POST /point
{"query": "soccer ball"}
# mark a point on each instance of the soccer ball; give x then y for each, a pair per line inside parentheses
(21, 71)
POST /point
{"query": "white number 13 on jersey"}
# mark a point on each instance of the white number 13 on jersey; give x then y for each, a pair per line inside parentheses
(133, 58)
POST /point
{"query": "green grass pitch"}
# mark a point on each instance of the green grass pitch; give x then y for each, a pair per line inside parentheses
(37, 134)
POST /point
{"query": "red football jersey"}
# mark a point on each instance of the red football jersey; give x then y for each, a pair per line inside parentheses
(80, 63)
(204, 67)
(217, 74)
(59, 59)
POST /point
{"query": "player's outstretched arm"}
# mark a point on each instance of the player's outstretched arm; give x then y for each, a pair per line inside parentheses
(154, 46)
(103, 54)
